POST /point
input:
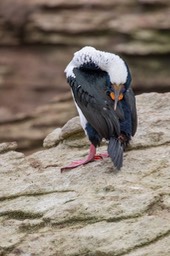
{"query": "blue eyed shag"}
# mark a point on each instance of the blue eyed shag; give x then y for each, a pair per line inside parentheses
(100, 84)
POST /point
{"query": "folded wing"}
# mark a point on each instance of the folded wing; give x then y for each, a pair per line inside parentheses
(131, 101)
(89, 88)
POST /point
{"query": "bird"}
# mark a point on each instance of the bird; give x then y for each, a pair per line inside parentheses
(100, 83)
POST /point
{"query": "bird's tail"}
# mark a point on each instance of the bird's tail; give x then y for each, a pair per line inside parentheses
(115, 151)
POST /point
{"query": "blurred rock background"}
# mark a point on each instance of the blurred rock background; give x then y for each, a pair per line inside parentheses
(38, 39)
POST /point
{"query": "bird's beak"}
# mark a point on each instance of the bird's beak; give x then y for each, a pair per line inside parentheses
(117, 92)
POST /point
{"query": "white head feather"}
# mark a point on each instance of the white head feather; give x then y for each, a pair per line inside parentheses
(109, 62)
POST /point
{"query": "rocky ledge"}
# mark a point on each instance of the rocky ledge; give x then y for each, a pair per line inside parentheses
(91, 210)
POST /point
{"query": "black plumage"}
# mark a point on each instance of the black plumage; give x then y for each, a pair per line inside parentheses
(116, 122)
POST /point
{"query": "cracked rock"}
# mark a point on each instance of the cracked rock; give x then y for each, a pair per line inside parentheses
(91, 210)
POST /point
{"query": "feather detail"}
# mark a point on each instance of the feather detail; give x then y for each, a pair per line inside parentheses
(106, 61)
(115, 151)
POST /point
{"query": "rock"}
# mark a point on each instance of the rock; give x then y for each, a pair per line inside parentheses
(72, 130)
(71, 134)
(149, 131)
(8, 146)
(52, 139)
(91, 210)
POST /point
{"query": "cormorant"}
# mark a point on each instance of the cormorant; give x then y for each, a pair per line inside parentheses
(100, 83)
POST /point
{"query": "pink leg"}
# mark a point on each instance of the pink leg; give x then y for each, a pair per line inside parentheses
(90, 158)
(101, 156)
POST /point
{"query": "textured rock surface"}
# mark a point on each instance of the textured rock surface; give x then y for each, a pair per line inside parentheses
(91, 210)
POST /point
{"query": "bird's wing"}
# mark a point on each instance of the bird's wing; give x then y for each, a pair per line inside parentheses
(89, 90)
(131, 101)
